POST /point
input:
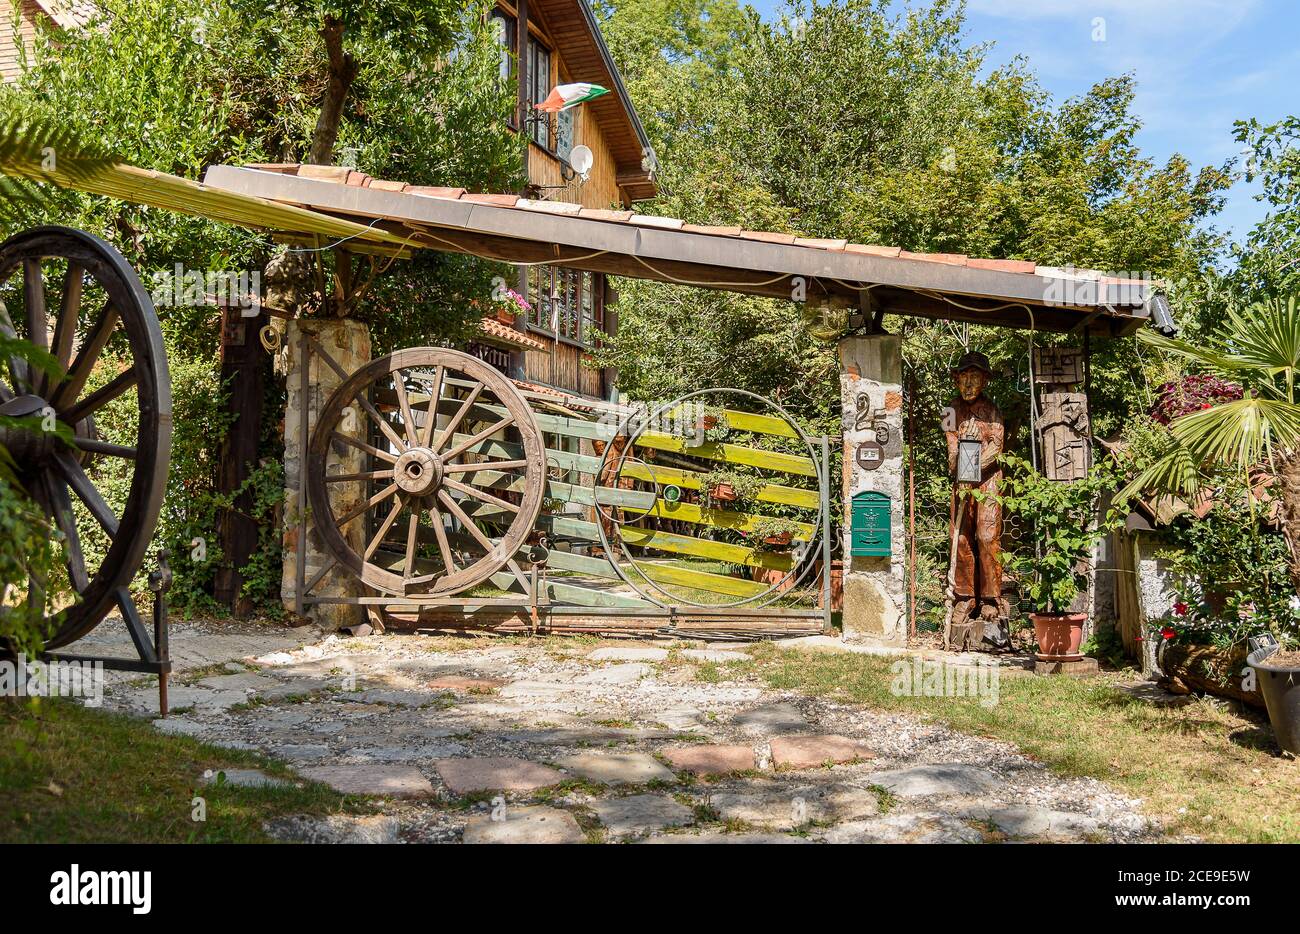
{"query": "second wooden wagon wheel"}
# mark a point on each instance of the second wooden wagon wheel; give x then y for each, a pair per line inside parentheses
(73, 295)
(451, 470)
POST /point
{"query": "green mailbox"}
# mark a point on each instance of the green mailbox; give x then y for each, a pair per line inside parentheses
(870, 529)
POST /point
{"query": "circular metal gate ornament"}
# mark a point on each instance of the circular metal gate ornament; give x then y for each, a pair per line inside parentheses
(414, 472)
(83, 303)
(637, 423)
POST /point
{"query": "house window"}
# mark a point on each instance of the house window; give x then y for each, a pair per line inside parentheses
(565, 303)
(564, 121)
(503, 28)
(539, 88)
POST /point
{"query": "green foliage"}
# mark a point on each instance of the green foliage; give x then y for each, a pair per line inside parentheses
(29, 550)
(1063, 526)
(771, 527)
(1232, 573)
(746, 485)
(182, 85)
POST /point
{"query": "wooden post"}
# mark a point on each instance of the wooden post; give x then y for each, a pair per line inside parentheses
(243, 363)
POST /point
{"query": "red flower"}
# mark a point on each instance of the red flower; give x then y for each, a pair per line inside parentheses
(1180, 608)
(1168, 632)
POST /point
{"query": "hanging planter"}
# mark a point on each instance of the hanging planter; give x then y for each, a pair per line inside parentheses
(724, 485)
(772, 533)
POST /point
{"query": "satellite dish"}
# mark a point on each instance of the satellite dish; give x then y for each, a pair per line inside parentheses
(581, 158)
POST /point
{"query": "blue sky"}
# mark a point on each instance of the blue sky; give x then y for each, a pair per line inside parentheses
(1199, 64)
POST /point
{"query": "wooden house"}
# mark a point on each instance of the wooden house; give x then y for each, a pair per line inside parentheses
(545, 43)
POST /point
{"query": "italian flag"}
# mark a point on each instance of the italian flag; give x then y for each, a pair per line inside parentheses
(564, 96)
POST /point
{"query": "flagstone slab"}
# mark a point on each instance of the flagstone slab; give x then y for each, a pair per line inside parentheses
(629, 654)
(638, 814)
(1021, 820)
(706, 759)
(628, 673)
(495, 773)
(771, 718)
(717, 837)
(534, 689)
(616, 768)
(307, 752)
(393, 781)
(794, 807)
(944, 779)
(243, 778)
(904, 828)
(524, 825)
(810, 752)
(463, 683)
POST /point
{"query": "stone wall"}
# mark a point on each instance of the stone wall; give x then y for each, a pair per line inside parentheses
(348, 342)
(875, 596)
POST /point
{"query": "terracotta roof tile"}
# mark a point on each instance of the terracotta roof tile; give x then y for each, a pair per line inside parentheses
(836, 246)
(434, 191)
(715, 231)
(498, 330)
(768, 237)
(324, 173)
(869, 249)
(951, 259)
(358, 179)
(549, 207)
(1002, 265)
(500, 201)
(601, 214)
(653, 220)
(383, 184)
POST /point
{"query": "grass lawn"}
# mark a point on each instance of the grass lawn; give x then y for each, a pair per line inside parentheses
(1204, 769)
(69, 774)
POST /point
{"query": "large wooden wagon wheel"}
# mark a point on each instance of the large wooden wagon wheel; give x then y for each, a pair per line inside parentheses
(71, 293)
(451, 472)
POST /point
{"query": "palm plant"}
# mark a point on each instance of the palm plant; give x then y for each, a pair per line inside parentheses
(1259, 348)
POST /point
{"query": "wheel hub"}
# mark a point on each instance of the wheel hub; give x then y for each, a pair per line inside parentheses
(418, 472)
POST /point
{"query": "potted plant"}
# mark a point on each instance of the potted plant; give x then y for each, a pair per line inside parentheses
(1065, 528)
(713, 423)
(510, 306)
(725, 485)
(1277, 674)
(772, 533)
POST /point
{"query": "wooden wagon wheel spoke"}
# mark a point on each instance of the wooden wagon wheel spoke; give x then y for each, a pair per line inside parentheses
(87, 492)
(480, 495)
(107, 448)
(457, 418)
(466, 522)
(384, 526)
(363, 446)
(139, 439)
(404, 404)
(485, 465)
(431, 414)
(100, 397)
(81, 368)
(375, 500)
(480, 437)
(17, 365)
(423, 477)
(61, 505)
(65, 329)
(364, 475)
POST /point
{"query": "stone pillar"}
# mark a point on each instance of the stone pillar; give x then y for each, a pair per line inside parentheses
(871, 399)
(348, 342)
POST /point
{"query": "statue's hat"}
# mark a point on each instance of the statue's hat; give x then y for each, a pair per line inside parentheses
(973, 360)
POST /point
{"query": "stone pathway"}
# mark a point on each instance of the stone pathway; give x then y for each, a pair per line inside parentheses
(483, 740)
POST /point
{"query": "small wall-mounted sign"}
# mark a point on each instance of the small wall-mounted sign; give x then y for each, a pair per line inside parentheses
(870, 455)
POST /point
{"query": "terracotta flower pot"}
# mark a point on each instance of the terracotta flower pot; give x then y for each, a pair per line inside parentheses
(505, 315)
(783, 538)
(1059, 635)
(723, 493)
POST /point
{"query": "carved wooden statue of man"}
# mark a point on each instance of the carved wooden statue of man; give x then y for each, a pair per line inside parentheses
(975, 571)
